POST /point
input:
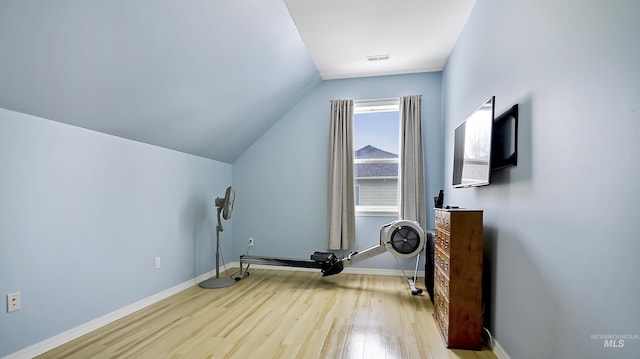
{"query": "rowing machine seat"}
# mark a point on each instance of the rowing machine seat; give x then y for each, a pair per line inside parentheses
(329, 262)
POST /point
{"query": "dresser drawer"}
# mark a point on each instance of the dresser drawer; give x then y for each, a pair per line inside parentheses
(443, 325)
(442, 220)
(442, 240)
(441, 260)
(441, 304)
(442, 282)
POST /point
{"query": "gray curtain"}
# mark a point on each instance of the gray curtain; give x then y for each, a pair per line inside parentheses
(342, 208)
(412, 198)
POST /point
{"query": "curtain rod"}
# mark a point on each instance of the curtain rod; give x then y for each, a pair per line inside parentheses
(384, 99)
(375, 99)
(378, 99)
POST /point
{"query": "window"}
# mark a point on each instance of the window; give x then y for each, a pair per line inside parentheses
(376, 139)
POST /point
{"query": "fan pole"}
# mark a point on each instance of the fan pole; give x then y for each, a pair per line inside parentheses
(218, 249)
(217, 282)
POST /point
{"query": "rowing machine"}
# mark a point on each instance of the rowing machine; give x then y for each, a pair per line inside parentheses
(403, 238)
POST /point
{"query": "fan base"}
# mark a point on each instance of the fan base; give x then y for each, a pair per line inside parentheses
(213, 283)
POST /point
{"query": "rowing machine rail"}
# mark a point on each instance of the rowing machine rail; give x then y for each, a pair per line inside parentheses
(403, 238)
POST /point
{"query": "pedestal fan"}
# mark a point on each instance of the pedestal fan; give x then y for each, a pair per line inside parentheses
(224, 205)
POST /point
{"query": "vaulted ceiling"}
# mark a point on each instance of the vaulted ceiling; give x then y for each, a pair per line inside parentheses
(205, 77)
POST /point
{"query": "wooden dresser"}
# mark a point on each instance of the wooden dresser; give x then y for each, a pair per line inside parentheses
(457, 277)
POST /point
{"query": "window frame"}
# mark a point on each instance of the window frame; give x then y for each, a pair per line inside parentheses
(371, 106)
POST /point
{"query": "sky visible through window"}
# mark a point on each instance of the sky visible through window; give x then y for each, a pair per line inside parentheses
(378, 129)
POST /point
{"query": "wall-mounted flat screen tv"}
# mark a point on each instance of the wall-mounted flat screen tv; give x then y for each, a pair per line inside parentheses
(472, 148)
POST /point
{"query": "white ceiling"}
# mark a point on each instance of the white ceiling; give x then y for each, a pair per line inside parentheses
(183, 74)
(417, 34)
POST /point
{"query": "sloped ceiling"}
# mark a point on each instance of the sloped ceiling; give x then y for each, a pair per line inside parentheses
(206, 77)
(201, 77)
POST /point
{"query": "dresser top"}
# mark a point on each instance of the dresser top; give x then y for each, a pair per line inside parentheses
(457, 209)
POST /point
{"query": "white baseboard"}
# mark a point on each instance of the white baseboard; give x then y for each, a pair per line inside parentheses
(499, 351)
(73, 333)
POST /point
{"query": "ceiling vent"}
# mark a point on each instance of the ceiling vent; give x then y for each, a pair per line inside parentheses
(376, 58)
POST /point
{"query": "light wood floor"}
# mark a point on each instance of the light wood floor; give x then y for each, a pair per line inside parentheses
(277, 314)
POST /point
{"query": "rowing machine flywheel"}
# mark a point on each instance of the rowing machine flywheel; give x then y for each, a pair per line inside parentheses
(403, 238)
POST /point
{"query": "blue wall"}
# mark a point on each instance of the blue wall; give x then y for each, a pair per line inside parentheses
(561, 228)
(82, 217)
(281, 181)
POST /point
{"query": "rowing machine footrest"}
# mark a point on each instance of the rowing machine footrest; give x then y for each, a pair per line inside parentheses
(323, 257)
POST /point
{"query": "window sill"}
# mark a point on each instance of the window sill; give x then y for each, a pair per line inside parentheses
(381, 211)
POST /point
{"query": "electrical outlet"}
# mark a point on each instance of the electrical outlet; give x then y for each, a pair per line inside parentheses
(13, 302)
(250, 242)
(157, 262)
